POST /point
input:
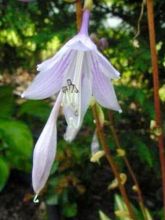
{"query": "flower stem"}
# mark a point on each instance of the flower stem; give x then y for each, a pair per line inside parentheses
(132, 174)
(110, 160)
(78, 14)
(154, 58)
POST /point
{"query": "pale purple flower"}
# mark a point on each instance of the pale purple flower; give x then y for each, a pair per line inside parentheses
(76, 73)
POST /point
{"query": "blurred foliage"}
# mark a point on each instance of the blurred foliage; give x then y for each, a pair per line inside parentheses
(15, 138)
(31, 32)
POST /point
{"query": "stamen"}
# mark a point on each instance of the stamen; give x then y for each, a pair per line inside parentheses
(69, 82)
(35, 199)
(72, 123)
(75, 89)
(64, 89)
(70, 96)
(71, 88)
(76, 113)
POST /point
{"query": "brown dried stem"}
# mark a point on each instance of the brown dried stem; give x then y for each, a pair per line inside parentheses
(78, 13)
(155, 71)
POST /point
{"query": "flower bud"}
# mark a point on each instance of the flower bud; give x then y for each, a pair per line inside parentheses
(120, 152)
(88, 4)
(97, 156)
(103, 43)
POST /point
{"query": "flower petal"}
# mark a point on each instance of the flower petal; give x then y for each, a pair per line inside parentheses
(45, 150)
(103, 89)
(47, 64)
(106, 67)
(74, 120)
(81, 42)
(49, 82)
(95, 146)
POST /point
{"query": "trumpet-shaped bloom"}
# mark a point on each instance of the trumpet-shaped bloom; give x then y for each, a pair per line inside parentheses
(77, 72)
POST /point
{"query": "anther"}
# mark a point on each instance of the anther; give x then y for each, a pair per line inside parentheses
(69, 82)
(64, 89)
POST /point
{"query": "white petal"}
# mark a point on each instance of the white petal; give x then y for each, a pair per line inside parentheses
(105, 66)
(45, 150)
(95, 146)
(70, 133)
(74, 118)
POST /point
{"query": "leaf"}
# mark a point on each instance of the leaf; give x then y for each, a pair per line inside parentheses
(103, 216)
(70, 210)
(39, 109)
(148, 214)
(17, 136)
(70, 1)
(52, 199)
(7, 101)
(145, 153)
(121, 209)
(4, 173)
(54, 167)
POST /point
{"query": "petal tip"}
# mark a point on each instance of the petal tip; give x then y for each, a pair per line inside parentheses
(22, 96)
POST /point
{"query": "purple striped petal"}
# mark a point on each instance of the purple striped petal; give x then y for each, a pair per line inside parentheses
(47, 64)
(45, 150)
(106, 67)
(48, 82)
(103, 89)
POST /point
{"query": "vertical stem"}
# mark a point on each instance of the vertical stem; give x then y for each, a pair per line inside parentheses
(132, 174)
(111, 162)
(154, 58)
(78, 14)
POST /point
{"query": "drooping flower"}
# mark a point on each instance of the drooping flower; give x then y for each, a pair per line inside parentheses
(76, 73)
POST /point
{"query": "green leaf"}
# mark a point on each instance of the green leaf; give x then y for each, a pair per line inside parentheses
(7, 101)
(145, 153)
(121, 208)
(52, 199)
(70, 210)
(39, 109)
(103, 216)
(54, 167)
(17, 136)
(4, 173)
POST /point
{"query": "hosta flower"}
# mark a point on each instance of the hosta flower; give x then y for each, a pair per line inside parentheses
(77, 72)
